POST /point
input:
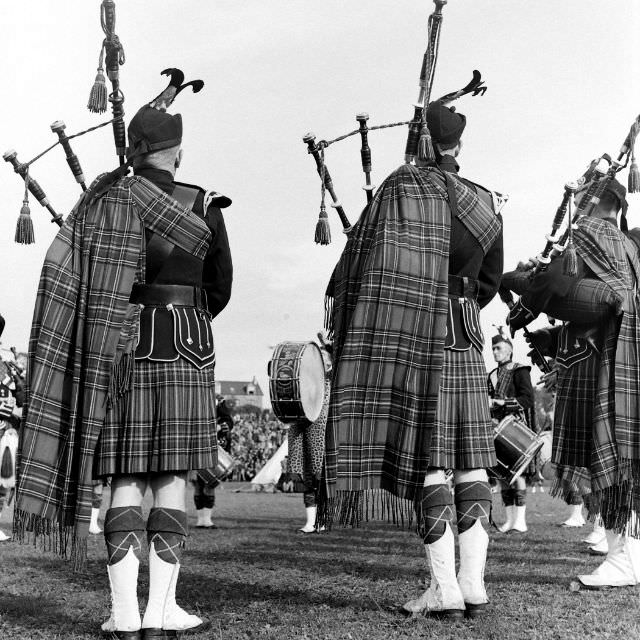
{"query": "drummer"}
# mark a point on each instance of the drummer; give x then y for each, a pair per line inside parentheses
(12, 398)
(205, 482)
(306, 445)
(511, 393)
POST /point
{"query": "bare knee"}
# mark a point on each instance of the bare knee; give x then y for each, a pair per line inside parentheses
(435, 476)
(127, 491)
(470, 475)
(169, 490)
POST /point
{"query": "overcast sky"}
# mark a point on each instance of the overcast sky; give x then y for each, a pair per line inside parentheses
(562, 88)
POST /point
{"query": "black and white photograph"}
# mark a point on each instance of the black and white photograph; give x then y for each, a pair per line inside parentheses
(320, 320)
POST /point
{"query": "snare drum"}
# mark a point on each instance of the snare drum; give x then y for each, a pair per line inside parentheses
(516, 446)
(218, 473)
(296, 381)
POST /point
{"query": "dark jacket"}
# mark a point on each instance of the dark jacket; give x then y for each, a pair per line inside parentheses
(473, 273)
(511, 382)
(182, 293)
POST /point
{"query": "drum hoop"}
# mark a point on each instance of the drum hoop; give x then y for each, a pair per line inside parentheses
(525, 460)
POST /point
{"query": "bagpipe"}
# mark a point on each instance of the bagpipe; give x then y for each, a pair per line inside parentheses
(588, 190)
(419, 144)
(594, 182)
(112, 58)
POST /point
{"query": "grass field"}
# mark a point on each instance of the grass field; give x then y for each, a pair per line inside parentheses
(254, 577)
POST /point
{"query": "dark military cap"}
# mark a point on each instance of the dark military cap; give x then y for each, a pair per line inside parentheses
(616, 189)
(445, 123)
(619, 191)
(498, 338)
(153, 130)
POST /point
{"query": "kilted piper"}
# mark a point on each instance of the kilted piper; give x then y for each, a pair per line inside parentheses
(596, 444)
(409, 395)
(121, 368)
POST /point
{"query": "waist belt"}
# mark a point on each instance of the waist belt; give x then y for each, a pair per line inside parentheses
(161, 295)
(463, 287)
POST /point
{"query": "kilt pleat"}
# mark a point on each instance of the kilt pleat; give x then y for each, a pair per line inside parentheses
(573, 419)
(462, 436)
(166, 422)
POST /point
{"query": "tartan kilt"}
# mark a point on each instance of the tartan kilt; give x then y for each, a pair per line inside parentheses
(573, 420)
(166, 422)
(462, 435)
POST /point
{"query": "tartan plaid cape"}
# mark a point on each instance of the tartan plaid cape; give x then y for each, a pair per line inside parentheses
(615, 458)
(80, 350)
(389, 294)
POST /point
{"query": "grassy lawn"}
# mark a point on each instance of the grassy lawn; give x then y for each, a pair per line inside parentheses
(254, 577)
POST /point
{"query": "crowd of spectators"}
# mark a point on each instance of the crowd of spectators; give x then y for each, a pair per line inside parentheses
(255, 437)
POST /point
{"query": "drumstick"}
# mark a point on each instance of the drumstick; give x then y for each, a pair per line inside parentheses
(22, 170)
(365, 154)
(310, 140)
(72, 159)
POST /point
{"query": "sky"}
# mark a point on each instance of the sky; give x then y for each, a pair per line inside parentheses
(562, 82)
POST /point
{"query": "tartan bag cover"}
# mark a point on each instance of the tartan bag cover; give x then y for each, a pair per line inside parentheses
(615, 459)
(388, 320)
(81, 338)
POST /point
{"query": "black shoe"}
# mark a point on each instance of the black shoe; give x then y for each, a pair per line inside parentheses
(123, 635)
(595, 552)
(447, 614)
(158, 634)
(170, 634)
(475, 610)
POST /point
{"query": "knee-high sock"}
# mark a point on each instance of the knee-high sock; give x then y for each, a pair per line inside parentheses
(204, 501)
(436, 509)
(473, 502)
(508, 497)
(167, 530)
(96, 496)
(204, 495)
(123, 528)
(573, 497)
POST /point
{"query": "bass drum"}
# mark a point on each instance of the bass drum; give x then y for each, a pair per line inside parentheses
(296, 381)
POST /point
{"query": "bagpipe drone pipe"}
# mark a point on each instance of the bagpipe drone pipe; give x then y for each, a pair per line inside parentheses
(588, 190)
(419, 144)
(111, 56)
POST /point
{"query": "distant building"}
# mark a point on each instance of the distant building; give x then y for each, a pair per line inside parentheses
(239, 393)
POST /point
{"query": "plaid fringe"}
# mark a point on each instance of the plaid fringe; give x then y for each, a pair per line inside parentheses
(51, 536)
(618, 505)
(352, 508)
